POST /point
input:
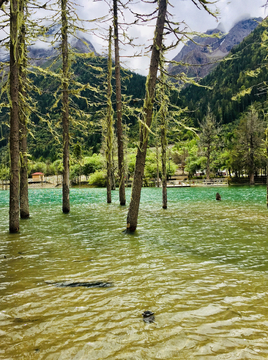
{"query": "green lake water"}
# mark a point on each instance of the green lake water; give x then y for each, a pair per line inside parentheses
(201, 266)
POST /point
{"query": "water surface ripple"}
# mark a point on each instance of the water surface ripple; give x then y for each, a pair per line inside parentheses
(200, 265)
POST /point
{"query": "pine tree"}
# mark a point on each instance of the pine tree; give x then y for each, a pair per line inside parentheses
(132, 217)
(120, 140)
(15, 20)
(24, 201)
(65, 107)
(109, 122)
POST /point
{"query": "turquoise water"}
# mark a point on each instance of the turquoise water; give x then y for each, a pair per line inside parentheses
(201, 266)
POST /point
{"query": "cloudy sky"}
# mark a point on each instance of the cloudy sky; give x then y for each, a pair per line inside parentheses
(230, 11)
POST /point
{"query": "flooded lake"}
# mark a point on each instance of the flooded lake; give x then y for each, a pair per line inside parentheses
(201, 266)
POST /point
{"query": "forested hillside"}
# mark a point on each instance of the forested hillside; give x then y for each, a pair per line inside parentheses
(228, 79)
(45, 139)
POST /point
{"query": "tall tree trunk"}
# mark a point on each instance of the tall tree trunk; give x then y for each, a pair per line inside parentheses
(109, 123)
(163, 124)
(24, 201)
(251, 162)
(266, 172)
(164, 166)
(65, 109)
(208, 164)
(132, 217)
(120, 140)
(157, 164)
(14, 120)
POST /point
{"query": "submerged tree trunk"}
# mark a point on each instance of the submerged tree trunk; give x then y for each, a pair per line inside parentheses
(120, 140)
(132, 217)
(208, 164)
(163, 124)
(157, 164)
(109, 122)
(14, 120)
(65, 109)
(24, 201)
(251, 162)
(164, 167)
(267, 176)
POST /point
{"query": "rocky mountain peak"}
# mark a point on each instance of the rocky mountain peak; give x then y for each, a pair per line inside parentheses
(204, 52)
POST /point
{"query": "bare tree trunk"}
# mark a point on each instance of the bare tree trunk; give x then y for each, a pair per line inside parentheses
(163, 125)
(208, 164)
(266, 174)
(251, 179)
(164, 167)
(252, 165)
(24, 201)
(132, 217)
(164, 160)
(14, 120)
(120, 140)
(65, 109)
(109, 124)
(157, 164)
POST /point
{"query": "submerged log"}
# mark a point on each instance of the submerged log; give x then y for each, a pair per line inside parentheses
(87, 284)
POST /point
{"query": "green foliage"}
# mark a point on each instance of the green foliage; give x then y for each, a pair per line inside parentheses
(98, 178)
(131, 159)
(92, 164)
(75, 171)
(58, 167)
(38, 167)
(4, 172)
(233, 75)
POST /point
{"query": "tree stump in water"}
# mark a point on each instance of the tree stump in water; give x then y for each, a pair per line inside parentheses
(148, 317)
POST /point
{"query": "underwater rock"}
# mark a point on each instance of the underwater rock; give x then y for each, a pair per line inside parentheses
(148, 317)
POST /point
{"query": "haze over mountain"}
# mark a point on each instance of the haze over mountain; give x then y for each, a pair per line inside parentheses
(223, 85)
(43, 48)
(205, 52)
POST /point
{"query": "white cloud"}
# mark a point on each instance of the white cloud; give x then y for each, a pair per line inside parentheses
(231, 11)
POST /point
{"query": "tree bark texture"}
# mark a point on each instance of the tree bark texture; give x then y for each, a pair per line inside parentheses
(267, 177)
(14, 120)
(132, 217)
(164, 162)
(24, 201)
(120, 138)
(163, 122)
(251, 161)
(65, 109)
(208, 163)
(109, 123)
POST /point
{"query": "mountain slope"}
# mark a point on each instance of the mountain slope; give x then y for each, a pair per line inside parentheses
(228, 79)
(208, 50)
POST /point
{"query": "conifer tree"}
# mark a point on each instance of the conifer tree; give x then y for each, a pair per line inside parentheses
(65, 107)
(132, 217)
(163, 126)
(109, 122)
(15, 20)
(121, 167)
(24, 201)
(208, 138)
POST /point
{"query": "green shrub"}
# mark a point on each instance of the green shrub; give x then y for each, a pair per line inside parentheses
(92, 164)
(4, 173)
(98, 178)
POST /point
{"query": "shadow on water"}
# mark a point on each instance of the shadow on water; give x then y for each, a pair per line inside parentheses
(200, 266)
